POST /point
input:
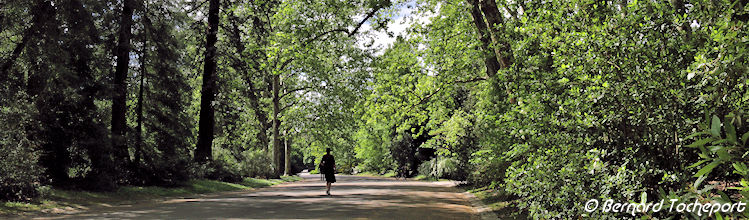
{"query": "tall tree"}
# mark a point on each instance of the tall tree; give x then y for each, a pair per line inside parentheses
(240, 64)
(203, 151)
(139, 104)
(495, 22)
(490, 57)
(277, 149)
(498, 54)
(163, 98)
(119, 105)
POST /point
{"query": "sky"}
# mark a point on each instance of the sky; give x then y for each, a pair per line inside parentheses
(403, 17)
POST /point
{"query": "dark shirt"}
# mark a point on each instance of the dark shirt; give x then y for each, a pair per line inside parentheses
(328, 162)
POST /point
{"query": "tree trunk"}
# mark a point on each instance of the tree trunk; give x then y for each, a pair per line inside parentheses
(42, 12)
(490, 58)
(14, 55)
(276, 126)
(205, 127)
(252, 92)
(139, 107)
(119, 106)
(494, 20)
(262, 135)
(287, 154)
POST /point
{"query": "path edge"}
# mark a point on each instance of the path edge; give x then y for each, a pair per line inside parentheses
(484, 212)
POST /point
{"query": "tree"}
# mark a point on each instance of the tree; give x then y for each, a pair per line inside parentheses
(490, 58)
(119, 106)
(203, 151)
(281, 56)
(61, 47)
(164, 124)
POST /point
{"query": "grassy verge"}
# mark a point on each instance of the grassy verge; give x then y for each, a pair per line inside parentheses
(67, 201)
(371, 174)
(500, 202)
(392, 174)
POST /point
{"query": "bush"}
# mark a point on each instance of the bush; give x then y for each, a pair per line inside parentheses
(721, 174)
(19, 172)
(223, 167)
(372, 150)
(554, 185)
(256, 163)
(440, 167)
(488, 172)
(170, 171)
(228, 168)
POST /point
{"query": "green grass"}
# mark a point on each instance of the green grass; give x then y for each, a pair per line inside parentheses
(71, 200)
(8, 208)
(500, 202)
(389, 174)
(372, 174)
(256, 183)
(421, 177)
(392, 174)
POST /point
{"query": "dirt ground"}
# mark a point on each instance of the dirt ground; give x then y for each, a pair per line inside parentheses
(353, 197)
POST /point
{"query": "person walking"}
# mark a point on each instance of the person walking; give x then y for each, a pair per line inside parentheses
(327, 167)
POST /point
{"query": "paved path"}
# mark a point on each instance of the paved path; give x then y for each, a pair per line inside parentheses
(354, 197)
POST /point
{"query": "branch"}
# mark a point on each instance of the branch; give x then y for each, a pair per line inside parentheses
(440, 88)
(471, 80)
(200, 6)
(294, 90)
(289, 105)
(344, 30)
(308, 41)
(42, 12)
(428, 96)
(613, 64)
(372, 13)
(286, 63)
(14, 55)
(512, 13)
(424, 99)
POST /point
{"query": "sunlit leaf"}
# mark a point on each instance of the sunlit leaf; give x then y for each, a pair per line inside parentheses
(707, 169)
(715, 126)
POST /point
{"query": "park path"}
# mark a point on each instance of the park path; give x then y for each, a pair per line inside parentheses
(353, 197)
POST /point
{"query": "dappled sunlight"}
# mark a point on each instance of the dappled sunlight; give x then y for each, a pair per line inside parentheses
(352, 197)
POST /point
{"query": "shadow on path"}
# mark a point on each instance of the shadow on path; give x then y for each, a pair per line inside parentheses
(354, 197)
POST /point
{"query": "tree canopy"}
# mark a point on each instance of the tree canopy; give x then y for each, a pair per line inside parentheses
(552, 102)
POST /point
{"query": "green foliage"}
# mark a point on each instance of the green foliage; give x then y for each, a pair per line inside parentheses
(57, 60)
(167, 125)
(256, 164)
(372, 150)
(721, 171)
(440, 168)
(19, 155)
(593, 100)
(594, 104)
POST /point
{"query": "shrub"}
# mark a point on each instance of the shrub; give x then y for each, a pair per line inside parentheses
(256, 163)
(721, 174)
(19, 172)
(372, 150)
(488, 172)
(440, 167)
